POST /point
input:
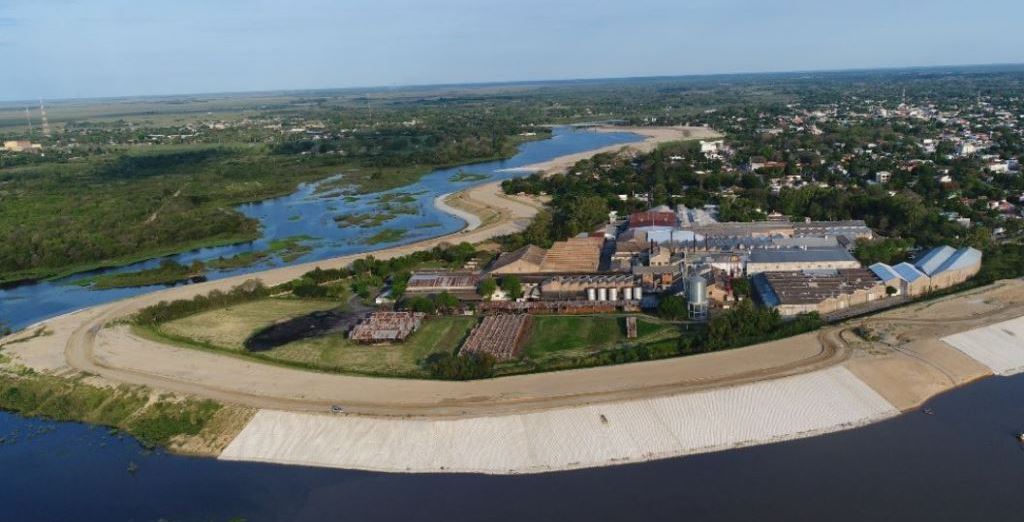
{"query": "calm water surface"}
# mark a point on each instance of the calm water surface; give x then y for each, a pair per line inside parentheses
(310, 213)
(962, 463)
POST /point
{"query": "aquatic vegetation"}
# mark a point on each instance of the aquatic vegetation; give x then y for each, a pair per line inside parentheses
(388, 235)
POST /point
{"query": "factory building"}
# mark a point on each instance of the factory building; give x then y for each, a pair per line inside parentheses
(525, 260)
(947, 267)
(660, 216)
(797, 259)
(904, 277)
(821, 291)
(576, 255)
(939, 268)
(604, 287)
(460, 284)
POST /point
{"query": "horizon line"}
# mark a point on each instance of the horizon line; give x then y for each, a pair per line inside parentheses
(498, 83)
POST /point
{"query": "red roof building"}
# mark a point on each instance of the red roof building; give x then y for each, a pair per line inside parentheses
(652, 219)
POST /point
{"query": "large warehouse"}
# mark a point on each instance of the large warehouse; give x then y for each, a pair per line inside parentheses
(822, 291)
(941, 267)
(578, 255)
(947, 267)
(797, 259)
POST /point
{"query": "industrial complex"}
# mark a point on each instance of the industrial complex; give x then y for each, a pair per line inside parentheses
(631, 263)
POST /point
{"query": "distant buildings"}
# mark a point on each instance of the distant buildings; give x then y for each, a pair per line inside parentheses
(22, 146)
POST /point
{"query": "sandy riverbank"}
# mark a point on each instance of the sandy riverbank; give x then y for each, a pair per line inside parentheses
(653, 136)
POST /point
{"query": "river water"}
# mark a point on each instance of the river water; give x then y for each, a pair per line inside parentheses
(310, 213)
(962, 463)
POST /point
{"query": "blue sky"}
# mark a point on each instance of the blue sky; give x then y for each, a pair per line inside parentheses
(88, 48)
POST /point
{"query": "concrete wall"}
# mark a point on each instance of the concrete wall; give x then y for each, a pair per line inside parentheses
(757, 268)
(953, 277)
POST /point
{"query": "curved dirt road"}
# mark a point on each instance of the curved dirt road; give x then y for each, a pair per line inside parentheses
(86, 341)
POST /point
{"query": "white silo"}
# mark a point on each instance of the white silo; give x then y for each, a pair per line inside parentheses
(627, 294)
(638, 293)
(697, 297)
(591, 294)
(613, 294)
(602, 294)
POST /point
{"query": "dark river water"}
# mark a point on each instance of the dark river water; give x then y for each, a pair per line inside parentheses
(962, 463)
(310, 213)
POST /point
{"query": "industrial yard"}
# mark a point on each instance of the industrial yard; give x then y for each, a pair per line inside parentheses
(641, 287)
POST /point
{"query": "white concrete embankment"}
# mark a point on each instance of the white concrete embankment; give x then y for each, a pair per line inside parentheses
(1000, 346)
(567, 438)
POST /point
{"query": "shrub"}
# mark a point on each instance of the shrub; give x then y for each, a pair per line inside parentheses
(460, 367)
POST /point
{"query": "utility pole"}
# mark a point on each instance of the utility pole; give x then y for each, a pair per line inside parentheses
(28, 118)
(46, 123)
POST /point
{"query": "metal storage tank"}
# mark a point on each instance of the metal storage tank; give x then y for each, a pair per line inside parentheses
(602, 294)
(638, 293)
(591, 294)
(627, 294)
(697, 290)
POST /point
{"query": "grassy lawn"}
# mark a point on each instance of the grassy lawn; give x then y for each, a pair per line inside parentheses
(228, 328)
(337, 353)
(555, 342)
(556, 337)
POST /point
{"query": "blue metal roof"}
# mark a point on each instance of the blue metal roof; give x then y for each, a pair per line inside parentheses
(884, 271)
(908, 272)
(930, 263)
(963, 258)
(764, 291)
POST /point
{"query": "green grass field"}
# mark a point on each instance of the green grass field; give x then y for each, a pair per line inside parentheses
(555, 342)
(227, 329)
(556, 337)
(336, 353)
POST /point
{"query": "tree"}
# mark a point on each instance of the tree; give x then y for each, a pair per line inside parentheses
(740, 287)
(487, 288)
(421, 304)
(539, 231)
(446, 365)
(446, 301)
(512, 286)
(888, 250)
(672, 307)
